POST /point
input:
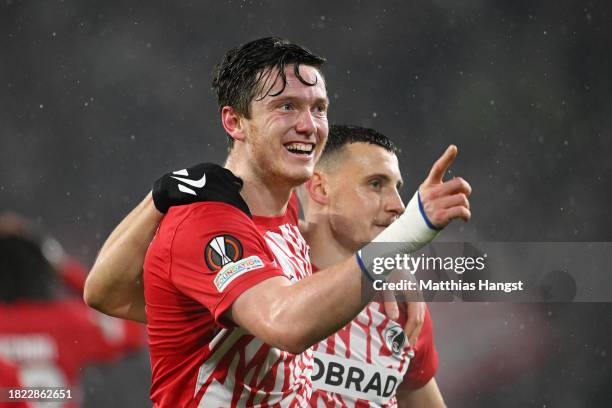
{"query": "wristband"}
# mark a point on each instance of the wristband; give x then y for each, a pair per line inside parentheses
(409, 233)
(363, 268)
(424, 215)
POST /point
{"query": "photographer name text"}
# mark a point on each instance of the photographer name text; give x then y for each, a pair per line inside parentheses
(449, 285)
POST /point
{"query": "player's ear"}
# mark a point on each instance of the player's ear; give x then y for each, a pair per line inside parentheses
(316, 187)
(233, 123)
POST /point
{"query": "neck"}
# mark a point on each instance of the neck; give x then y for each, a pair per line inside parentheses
(325, 249)
(265, 198)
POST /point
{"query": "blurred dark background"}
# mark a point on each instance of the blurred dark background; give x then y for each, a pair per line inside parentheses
(102, 97)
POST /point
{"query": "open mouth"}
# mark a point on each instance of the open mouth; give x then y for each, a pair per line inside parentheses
(304, 149)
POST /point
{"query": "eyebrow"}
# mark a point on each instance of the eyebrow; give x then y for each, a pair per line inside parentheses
(289, 98)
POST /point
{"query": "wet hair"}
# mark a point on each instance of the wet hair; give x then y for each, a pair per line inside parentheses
(342, 135)
(245, 71)
(25, 273)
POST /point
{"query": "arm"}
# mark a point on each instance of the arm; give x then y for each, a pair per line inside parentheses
(295, 316)
(419, 388)
(114, 285)
(428, 396)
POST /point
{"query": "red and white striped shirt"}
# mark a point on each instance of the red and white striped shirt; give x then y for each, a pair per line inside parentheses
(364, 363)
(203, 257)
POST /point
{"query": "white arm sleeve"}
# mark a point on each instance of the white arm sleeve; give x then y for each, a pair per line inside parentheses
(410, 232)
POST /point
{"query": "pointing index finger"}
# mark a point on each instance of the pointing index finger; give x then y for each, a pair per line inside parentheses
(439, 168)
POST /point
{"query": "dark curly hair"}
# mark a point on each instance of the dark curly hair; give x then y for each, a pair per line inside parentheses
(244, 71)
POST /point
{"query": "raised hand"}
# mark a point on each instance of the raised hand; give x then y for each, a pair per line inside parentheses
(442, 201)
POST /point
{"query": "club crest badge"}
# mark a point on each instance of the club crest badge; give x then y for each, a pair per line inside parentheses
(395, 339)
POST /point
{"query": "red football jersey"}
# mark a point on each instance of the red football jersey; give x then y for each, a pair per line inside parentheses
(51, 341)
(364, 363)
(202, 258)
(9, 378)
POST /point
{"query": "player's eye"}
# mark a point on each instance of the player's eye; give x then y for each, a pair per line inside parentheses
(376, 184)
(286, 106)
(321, 110)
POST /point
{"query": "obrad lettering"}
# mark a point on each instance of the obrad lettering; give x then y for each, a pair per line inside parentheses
(352, 378)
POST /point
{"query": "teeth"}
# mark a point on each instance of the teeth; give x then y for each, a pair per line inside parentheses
(299, 147)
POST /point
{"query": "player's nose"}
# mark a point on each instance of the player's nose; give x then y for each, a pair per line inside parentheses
(394, 203)
(306, 124)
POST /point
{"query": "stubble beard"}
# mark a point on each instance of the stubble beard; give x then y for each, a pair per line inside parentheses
(268, 166)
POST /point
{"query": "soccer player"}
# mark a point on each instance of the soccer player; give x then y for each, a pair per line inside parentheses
(232, 308)
(47, 335)
(352, 195)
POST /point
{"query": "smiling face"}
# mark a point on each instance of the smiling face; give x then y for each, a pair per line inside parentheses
(363, 193)
(286, 133)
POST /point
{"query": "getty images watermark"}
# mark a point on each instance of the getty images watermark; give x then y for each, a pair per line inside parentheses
(459, 265)
(498, 271)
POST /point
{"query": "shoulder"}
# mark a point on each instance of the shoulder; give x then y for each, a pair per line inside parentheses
(207, 217)
(218, 229)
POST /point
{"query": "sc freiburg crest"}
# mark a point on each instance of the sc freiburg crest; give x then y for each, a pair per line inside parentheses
(395, 339)
(222, 250)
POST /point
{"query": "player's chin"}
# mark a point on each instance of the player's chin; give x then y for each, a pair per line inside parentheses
(377, 229)
(299, 178)
(298, 173)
